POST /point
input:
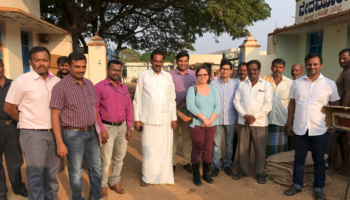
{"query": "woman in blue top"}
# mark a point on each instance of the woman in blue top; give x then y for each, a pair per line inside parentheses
(203, 101)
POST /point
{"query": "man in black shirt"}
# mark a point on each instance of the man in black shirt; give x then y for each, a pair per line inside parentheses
(9, 145)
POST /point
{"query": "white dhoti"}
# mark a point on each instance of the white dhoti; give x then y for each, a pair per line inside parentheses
(157, 145)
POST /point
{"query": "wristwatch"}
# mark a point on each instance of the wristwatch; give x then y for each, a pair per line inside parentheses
(130, 128)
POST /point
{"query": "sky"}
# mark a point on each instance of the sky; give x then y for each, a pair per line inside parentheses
(282, 14)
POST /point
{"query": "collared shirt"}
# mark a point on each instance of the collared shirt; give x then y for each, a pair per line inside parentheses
(254, 101)
(183, 82)
(228, 114)
(280, 101)
(310, 97)
(3, 93)
(32, 94)
(114, 103)
(154, 101)
(239, 80)
(76, 102)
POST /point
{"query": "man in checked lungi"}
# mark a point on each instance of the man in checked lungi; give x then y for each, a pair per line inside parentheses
(277, 139)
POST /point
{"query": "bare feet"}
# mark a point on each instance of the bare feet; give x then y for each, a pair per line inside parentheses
(330, 171)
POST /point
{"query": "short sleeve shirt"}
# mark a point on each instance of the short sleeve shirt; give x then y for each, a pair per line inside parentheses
(310, 97)
(76, 102)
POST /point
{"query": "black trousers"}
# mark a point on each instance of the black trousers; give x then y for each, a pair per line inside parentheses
(235, 142)
(10, 147)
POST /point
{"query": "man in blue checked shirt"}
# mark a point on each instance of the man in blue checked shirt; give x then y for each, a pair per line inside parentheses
(227, 118)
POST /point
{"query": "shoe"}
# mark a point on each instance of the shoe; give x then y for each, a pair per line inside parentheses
(23, 193)
(228, 171)
(215, 172)
(104, 192)
(206, 169)
(3, 197)
(118, 188)
(174, 168)
(196, 175)
(320, 196)
(188, 168)
(292, 191)
(143, 184)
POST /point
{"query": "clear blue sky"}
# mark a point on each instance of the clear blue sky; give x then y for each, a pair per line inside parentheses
(281, 15)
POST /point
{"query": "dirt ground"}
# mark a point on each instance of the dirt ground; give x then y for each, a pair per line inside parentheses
(223, 188)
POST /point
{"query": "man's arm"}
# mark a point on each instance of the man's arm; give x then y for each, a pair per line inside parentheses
(237, 100)
(137, 102)
(346, 100)
(11, 110)
(62, 150)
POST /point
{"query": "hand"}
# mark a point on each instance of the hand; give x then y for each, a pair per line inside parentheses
(137, 125)
(207, 122)
(332, 130)
(62, 150)
(128, 134)
(173, 125)
(249, 118)
(247, 123)
(288, 128)
(104, 136)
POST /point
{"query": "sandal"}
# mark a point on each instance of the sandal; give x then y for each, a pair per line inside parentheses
(292, 191)
(261, 179)
(143, 184)
(239, 175)
(320, 196)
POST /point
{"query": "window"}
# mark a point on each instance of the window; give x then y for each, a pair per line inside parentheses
(315, 45)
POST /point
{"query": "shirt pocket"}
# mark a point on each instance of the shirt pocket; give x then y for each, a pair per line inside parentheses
(260, 96)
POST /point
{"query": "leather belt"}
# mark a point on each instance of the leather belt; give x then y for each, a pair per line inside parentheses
(6, 122)
(48, 130)
(112, 123)
(71, 128)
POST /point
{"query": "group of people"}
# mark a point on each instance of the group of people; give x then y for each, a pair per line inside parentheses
(50, 118)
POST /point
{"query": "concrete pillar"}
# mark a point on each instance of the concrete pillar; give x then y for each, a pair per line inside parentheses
(97, 59)
(11, 39)
(250, 49)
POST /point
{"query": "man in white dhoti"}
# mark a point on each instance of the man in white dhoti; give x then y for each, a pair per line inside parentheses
(155, 110)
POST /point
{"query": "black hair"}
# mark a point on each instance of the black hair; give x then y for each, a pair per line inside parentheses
(37, 49)
(254, 62)
(278, 61)
(344, 51)
(75, 56)
(62, 60)
(206, 69)
(182, 54)
(117, 62)
(2, 64)
(159, 52)
(313, 55)
(241, 64)
(226, 62)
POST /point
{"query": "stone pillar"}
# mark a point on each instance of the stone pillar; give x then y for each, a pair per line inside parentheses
(250, 49)
(96, 59)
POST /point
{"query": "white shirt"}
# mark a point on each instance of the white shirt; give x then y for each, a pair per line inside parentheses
(254, 101)
(310, 97)
(32, 94)
(280, 101)
(239, 80)
(154, 101)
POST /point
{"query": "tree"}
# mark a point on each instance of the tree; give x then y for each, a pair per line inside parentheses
(169, 57)
(146, 24)
(129, 55)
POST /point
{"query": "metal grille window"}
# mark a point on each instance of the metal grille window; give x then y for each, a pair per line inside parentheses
(315, 45)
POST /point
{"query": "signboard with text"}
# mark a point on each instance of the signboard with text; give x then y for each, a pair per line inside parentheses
(307, 10)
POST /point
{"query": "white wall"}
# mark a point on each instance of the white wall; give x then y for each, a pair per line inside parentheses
(30, 6)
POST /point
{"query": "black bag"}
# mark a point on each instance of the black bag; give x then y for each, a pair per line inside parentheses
(182, 111)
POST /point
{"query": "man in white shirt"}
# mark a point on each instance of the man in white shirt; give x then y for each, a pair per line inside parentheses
(308, 95)
(155, 111)
(277, 139)
(253, 102)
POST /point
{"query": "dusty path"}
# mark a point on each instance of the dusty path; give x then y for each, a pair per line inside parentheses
(223, 188)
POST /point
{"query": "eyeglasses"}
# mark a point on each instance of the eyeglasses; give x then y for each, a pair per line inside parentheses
(204, 75)
(225, 69)
(253, 70)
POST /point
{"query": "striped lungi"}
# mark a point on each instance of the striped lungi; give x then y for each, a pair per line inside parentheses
(277, 140)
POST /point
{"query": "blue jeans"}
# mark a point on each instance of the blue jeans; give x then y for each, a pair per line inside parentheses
(229, 135)
(82, 144)
(318, 144)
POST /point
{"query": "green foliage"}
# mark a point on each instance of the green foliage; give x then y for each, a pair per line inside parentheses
(129, 55)
(145, 57)
(172, 25)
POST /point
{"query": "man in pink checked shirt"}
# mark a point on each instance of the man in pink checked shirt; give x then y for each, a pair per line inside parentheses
(115, 118)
